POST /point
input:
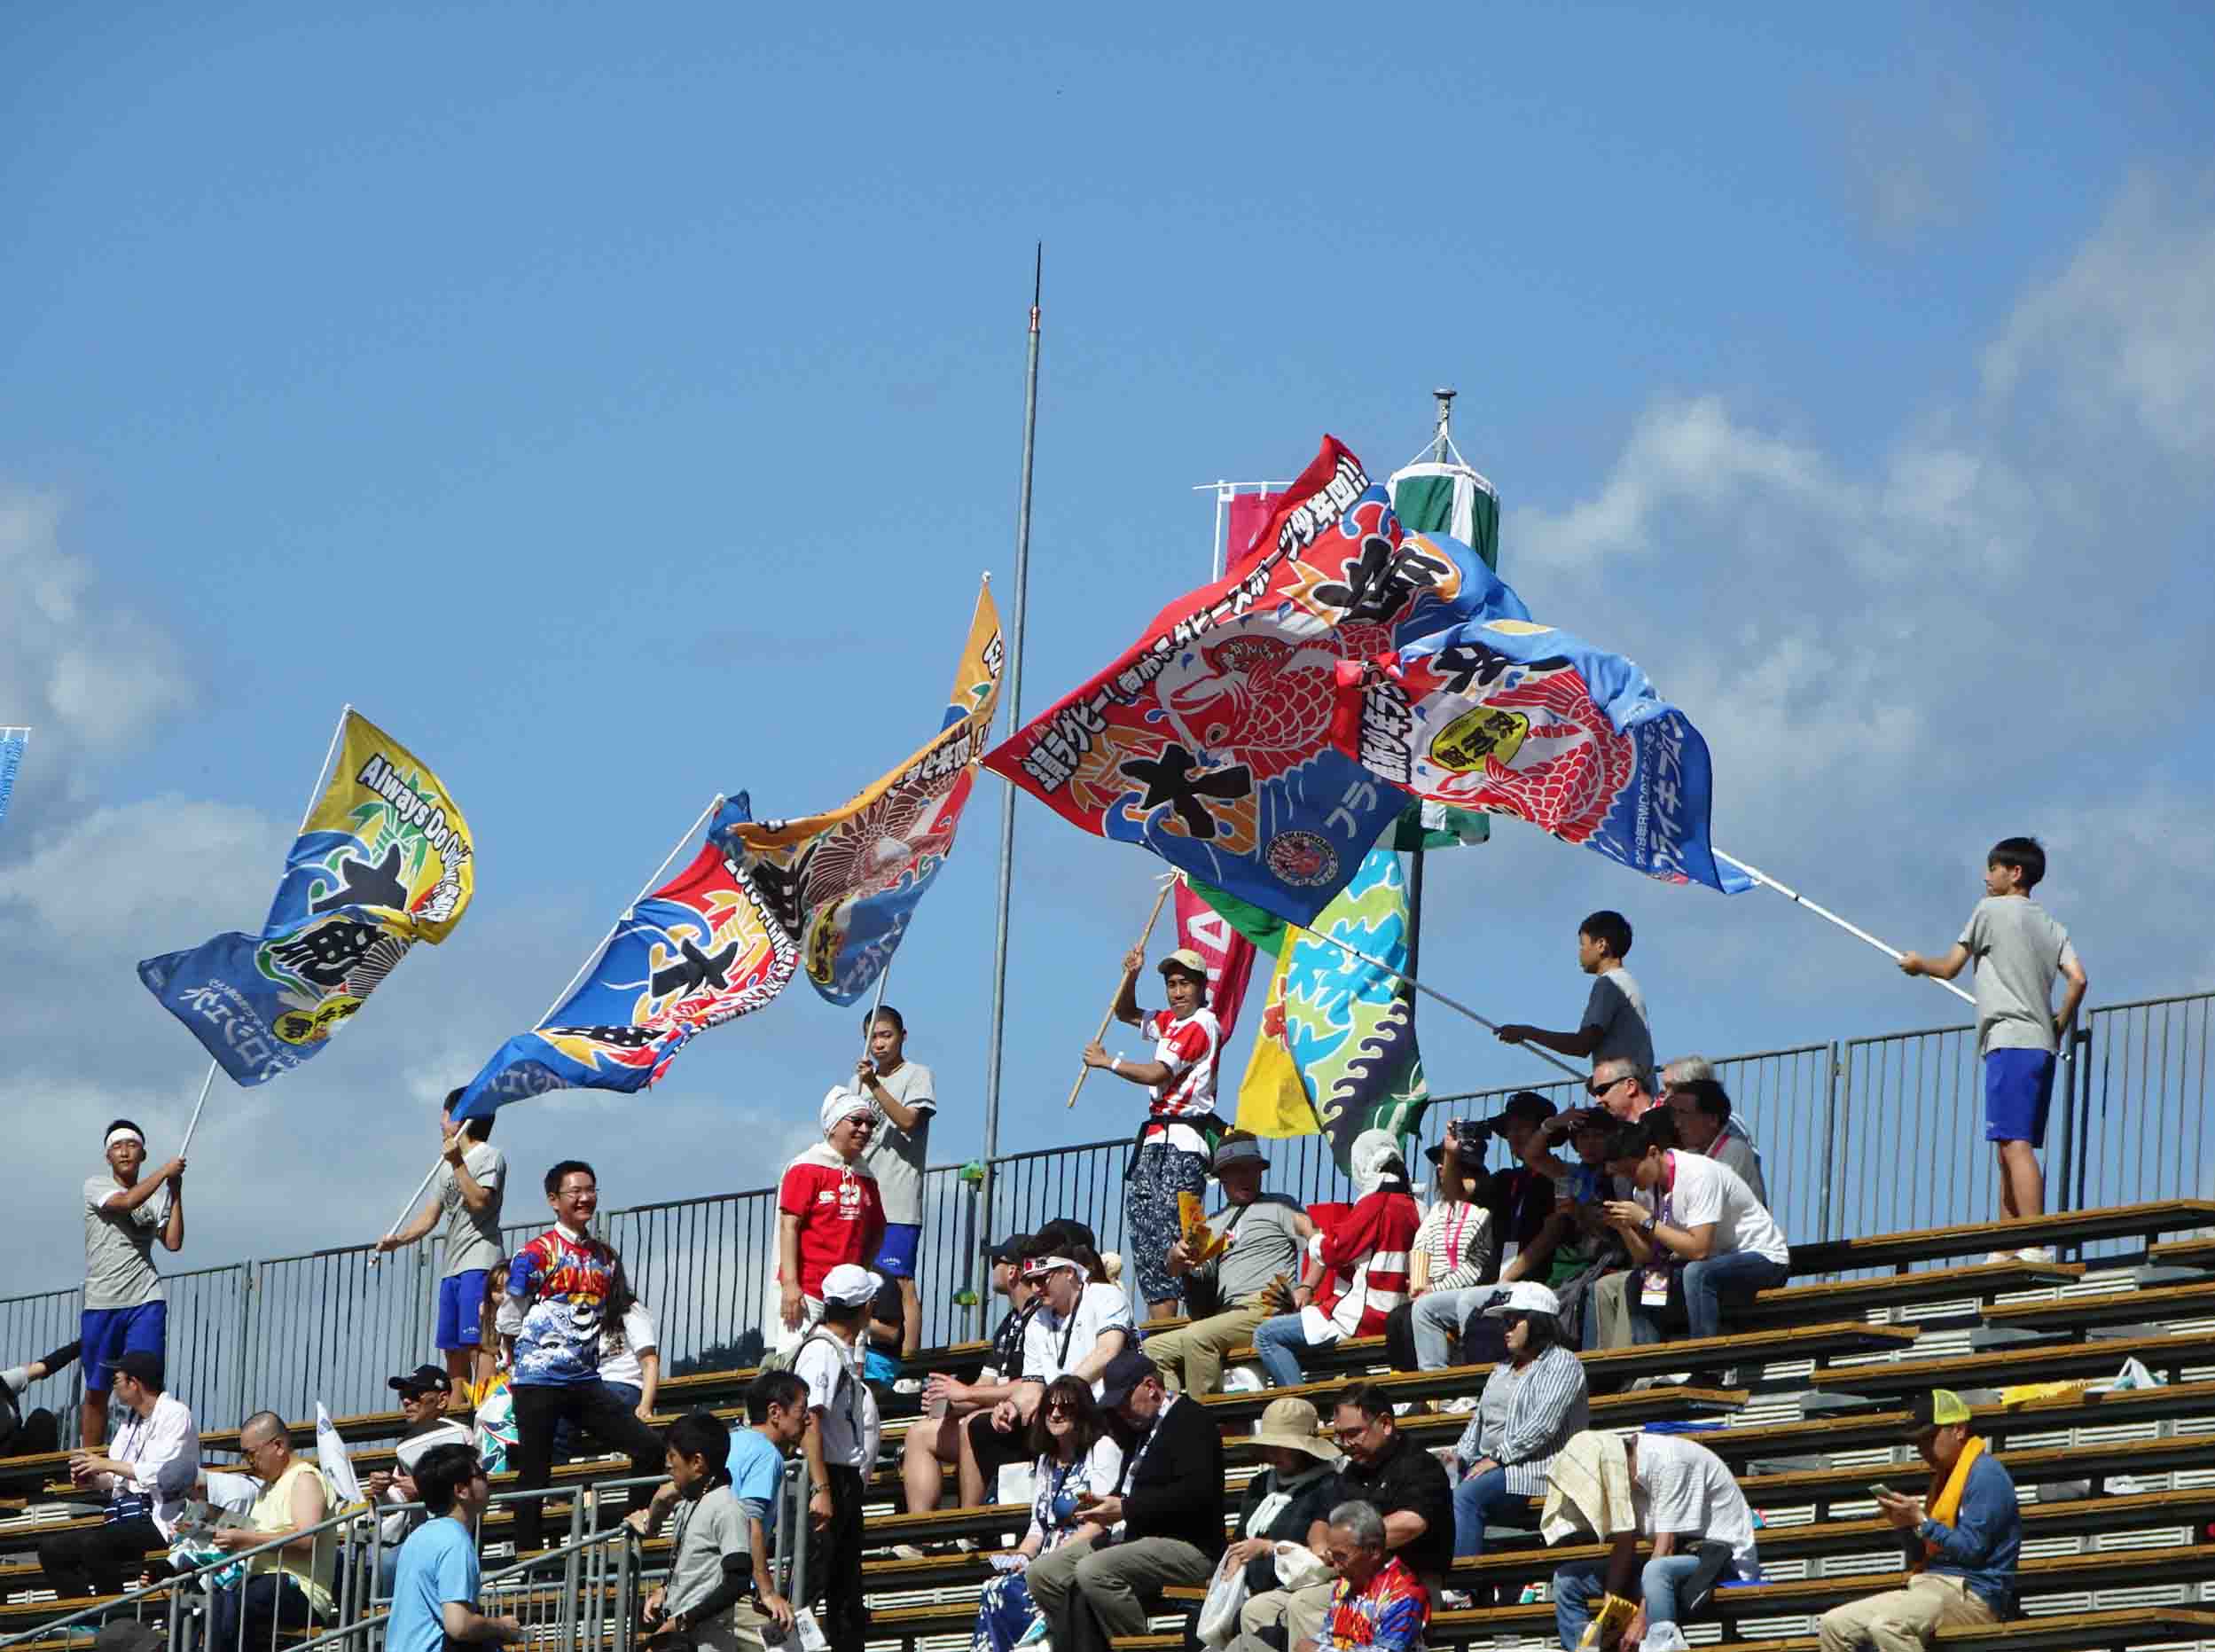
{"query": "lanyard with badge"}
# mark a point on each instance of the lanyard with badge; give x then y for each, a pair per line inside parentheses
(1654, 1278)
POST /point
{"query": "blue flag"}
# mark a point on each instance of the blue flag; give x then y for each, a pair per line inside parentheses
(1208, 740)
(11, 744)
(698, 951)
(1513, 718)
(383, 860)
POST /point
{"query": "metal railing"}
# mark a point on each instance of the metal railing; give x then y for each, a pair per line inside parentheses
(1863, 1135)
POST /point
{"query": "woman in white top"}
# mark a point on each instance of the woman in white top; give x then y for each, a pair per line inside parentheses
(1075, 1454)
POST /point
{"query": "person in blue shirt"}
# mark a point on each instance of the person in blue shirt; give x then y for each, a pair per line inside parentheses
(776, 1417)
(434, 1591)
(1961, 1547)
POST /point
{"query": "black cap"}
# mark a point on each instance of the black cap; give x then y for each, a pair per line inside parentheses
(138, 1365)
(419, 1382)
(1527, 1106)
(1066, 1229)
(1124, 1372)
(1008, 1250)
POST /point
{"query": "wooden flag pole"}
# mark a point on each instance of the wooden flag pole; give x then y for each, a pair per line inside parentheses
(1107, 1020)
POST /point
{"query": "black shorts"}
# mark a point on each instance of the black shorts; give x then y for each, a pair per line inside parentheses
(995, 1451)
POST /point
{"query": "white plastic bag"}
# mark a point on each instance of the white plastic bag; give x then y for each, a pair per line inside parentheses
(1218, 1613)
(1299, 1566)
(1664, 1638)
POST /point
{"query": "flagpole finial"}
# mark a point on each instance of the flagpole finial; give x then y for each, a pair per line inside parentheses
(1441, 442)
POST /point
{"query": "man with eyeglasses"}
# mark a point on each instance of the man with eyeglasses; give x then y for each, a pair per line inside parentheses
(147, 1474)
(1705, 1121)
(1406, 1483)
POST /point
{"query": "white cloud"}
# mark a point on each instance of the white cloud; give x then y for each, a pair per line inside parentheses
(93, 677)
(169, 866)
(2124, 336)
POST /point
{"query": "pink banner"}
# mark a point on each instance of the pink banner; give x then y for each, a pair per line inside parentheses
(1229, 955)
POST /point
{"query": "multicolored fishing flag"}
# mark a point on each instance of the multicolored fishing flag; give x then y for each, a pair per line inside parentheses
(698, 951)
(846, 884)
(1227, 953)
(11, 744)
(1336, 1051)
(1207, 741)
(1513, 718)
(384, 860)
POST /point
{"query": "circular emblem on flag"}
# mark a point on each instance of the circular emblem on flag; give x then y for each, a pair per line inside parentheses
(1300, 859)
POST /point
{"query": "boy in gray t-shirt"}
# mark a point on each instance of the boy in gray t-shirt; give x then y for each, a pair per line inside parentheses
(125, 1308)
(905, 1096)
(2017, 951)
(1614, 1026)
(465, 1195)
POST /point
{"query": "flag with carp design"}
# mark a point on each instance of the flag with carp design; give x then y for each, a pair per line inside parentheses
(384, 860)
(1336, 1051)
(1513, 718)
(698, 951)
(845, 885)
(1207, 741)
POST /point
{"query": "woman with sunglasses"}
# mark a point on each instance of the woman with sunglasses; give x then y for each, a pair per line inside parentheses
(1532, 1403)
(1075, 1453)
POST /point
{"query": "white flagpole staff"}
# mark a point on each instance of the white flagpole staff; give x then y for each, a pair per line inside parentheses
(1168, 883)
(1855, 931)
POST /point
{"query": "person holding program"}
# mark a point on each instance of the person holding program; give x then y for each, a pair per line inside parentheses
(126, 1309)
(704, 1602)
(1181, 1130)
(1615, 1020)
(1263, 1235)
(472, 1181)
(906, 1098)
(2018, 950)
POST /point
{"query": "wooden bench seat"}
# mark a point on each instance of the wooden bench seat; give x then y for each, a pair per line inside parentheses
(2184, 1253)
(2003, 1367)
(2123, 1307)
(1835, 1298)
(2067, 1227)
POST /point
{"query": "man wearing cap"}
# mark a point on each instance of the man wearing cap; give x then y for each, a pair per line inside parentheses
(841, 1448)
(933, 1441)
(125, 1306)
(1517, 1204)
(1079, 1325)
(1164, 1518)
(1176, 1142)
(1519, 1201)
(1262, 1235)
(147, 1474)
(1532, 1403)
(424, 1393)
(829, 1214)
(1962, 1543)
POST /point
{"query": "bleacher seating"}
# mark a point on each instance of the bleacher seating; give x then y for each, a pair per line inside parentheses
(1812, 1421)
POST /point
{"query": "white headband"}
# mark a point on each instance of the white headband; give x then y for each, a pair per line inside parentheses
(122, 1132)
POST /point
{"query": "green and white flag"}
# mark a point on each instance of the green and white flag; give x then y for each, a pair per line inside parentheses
(1430, 497)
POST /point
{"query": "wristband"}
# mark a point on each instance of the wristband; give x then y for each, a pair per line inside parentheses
(1114, 1064)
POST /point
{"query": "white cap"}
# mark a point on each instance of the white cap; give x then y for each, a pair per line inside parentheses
(847, 1286)
(1526, 1296)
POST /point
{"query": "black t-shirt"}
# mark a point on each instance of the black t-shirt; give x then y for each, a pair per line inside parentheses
(1407, 1478)
(1521, 1201)
(1007, 1341)
(887, 1309)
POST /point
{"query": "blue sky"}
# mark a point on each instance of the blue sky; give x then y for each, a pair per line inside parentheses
(620, 410)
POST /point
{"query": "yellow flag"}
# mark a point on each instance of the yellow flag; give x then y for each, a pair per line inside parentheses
(1272, 1101)
(407, 857)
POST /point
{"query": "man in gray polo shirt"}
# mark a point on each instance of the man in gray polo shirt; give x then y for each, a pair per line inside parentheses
(1263, 1232)
(467, 1192)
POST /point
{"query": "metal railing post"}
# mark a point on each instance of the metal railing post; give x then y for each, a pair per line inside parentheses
(1834, 1092)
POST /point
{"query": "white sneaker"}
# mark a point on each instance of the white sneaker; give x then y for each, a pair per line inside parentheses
(2001, 1255)
(2038, 1253)
(1460, 1405)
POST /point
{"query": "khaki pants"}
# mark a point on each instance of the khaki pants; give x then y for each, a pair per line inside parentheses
(1089, 1596)
(1903, 1620)
(1610, 1295)
(1302, 1612)
(1191, 1360)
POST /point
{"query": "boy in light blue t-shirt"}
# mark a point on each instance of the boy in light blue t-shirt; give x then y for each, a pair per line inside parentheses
(777, 1416)
(434, 1591)
(2018, 951)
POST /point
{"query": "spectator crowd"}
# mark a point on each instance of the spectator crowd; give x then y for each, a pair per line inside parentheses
(1639, 1217)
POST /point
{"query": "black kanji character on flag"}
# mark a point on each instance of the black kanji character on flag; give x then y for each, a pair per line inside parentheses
(694, 969)
(1171, 779)
(362, 884)
(327, 953)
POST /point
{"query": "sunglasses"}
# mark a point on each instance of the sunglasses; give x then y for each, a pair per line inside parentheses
(1593, 1087)
(1059, 1409)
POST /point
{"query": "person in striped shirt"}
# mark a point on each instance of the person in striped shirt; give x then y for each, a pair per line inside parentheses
(1533, 1402)
(1455, 1250)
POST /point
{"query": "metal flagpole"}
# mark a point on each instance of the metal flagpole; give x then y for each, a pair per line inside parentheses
(1014, 721)
(1441, 444)
(208, 1083)
(1859, 934)
(590, 958)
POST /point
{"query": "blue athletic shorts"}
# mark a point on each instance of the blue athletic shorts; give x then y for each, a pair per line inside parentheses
(108, 1333)
(896, 1259)
(460, 1309)
(2018, 1089)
